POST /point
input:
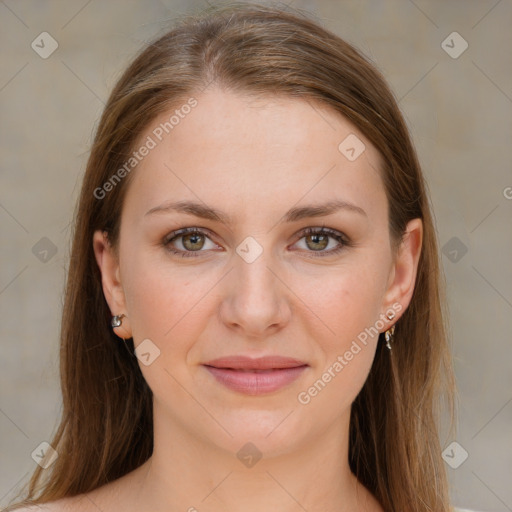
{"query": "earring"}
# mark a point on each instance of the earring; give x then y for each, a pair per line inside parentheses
(389, 336)
(117, 320)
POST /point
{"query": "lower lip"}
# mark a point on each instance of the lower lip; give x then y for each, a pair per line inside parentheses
(256, 383)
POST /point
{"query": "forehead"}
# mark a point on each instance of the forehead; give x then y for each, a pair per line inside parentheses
(239, 152)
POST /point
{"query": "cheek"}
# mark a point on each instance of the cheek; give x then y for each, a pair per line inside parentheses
(348, 305)
(162, 300)
(347, 302)
(166, 308)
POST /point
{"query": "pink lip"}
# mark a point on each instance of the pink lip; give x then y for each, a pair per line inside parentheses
(255, 376)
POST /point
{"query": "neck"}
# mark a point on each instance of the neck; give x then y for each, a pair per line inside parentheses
(189, 473)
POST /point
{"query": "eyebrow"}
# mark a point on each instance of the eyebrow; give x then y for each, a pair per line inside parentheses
(293, 215)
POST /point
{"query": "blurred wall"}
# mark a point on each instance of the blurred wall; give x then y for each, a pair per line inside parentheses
(455, 90)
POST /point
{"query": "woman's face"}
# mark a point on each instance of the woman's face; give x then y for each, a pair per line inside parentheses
(249, 280)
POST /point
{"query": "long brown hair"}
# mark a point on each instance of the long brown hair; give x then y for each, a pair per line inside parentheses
(106, 429)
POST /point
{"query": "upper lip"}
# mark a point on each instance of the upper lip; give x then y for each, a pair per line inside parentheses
(261, 363)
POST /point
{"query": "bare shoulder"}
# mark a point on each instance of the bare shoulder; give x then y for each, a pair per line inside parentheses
(74, 503)
(114, 495)
(45, 507)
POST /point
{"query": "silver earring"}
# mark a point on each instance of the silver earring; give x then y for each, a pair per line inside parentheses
(117, 320)
(389, 336)
(390, 315)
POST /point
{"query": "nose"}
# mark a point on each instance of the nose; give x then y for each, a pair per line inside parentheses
(255, 300)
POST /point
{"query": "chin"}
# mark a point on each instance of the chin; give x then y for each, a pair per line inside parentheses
(273, 433)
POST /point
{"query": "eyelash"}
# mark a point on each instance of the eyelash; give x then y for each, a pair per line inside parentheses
(339, 237)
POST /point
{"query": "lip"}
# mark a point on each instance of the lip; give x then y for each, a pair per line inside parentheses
(258, 363)
(255, 376)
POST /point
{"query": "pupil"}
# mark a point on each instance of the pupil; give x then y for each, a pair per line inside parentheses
(315, 238)
(194, 237)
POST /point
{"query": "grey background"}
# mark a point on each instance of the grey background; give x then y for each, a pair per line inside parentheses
(460, 114)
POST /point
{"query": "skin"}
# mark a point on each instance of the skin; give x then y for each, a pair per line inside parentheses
(253, 159)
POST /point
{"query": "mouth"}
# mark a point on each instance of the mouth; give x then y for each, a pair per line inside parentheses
(268, 370)
(255, 376)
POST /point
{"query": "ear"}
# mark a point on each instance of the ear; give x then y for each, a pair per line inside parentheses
(404, 269)
(111, 281)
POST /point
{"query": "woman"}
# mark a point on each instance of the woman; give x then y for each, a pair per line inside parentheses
(254, 317)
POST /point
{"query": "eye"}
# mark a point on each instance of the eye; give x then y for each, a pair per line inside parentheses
(319, 238)
(188, 241)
